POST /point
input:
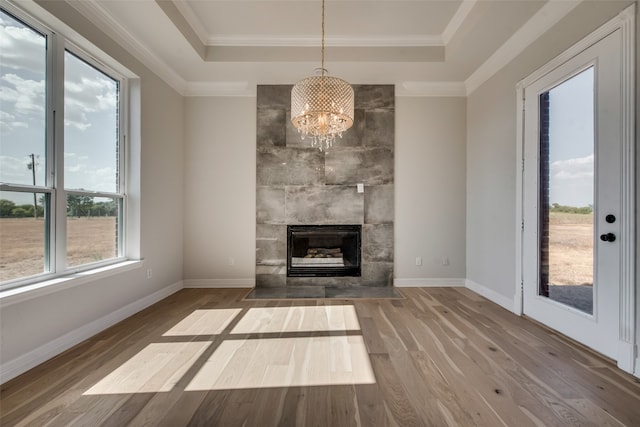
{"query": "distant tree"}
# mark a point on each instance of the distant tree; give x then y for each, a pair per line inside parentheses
(109, 208)
(556, 207)
(79, 205)
(22, 211)
(6, 206)
(8, 209)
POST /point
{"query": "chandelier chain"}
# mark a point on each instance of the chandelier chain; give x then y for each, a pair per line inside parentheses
(322, 49)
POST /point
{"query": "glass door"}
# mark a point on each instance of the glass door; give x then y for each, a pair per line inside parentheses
(572, 197)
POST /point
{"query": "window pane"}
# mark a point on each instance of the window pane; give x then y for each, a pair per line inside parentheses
(91, 127)
(567, 192)
(92, 229)
(22, 102)
(23, 234)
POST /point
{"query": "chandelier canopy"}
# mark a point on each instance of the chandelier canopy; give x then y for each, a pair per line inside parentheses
(322, 106)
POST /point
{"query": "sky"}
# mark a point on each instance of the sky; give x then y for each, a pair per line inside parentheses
(90, 115)
(571, 141)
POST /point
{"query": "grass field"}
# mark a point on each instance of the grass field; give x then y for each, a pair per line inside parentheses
(22, 244)
(93, 239)
(570, 249)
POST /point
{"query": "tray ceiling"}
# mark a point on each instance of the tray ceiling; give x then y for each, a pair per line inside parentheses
(227, 47)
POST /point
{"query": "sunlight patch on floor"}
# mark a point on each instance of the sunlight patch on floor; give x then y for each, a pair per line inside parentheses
(204, 322)
(285, 362)
(298, 319)
(156, 368)
(252, 361)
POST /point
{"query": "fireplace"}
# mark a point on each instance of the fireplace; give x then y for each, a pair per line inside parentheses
(323, 250)
(297, 185)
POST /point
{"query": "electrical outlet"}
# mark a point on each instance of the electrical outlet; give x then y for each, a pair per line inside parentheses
(232, 261)
(445, 260)
(149, 273)
(418, 260)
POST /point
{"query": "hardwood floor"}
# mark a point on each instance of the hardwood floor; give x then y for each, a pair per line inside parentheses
(442, 356)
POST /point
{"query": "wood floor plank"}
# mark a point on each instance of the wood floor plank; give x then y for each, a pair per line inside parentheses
(438, 357)
(372, 339)
(371, 408)
(343, 406)
(127, 411)
(210, 410)
(393, 391)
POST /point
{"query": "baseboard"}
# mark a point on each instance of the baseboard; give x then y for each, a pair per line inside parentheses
(491, 295)
(626, 357)
(428, 283)
(21, 364)
(220, 283)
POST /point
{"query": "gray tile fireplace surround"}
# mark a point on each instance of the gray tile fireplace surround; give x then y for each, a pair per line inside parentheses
(297, 184)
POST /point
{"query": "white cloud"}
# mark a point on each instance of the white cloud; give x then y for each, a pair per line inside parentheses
(572, 181)
(15, 170)
(68, 155)
(77, 119)
(8, 122)
(81, 175)
(22, 84)
(21, 48)
(573, 169)
(27, 96)
(86, 91)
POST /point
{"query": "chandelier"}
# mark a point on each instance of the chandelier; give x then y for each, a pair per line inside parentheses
(322, 106)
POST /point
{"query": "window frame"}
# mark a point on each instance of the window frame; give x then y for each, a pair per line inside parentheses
(55, 252)
(61, 199)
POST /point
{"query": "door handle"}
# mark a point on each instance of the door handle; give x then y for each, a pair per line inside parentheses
(609, 237)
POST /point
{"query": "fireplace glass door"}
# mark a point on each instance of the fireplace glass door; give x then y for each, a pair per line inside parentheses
(323, 250)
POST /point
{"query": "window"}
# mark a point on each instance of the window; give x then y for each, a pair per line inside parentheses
(62, 157)
(566, 200)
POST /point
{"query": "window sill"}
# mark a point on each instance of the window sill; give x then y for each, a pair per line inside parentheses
(35, 290)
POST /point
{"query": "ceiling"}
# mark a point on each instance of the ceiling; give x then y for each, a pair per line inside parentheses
(227, 47)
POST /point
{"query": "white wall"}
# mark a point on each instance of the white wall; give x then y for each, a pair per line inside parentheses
(220, 191)
(38, 328)
(491, 151)
(430, 191)
(220, 168)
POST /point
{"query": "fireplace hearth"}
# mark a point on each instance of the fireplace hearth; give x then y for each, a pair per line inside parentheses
(324, 250)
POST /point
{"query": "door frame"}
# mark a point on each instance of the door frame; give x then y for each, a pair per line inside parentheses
(624, 22)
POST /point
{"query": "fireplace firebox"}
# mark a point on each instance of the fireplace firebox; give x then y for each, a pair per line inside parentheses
(323, 250)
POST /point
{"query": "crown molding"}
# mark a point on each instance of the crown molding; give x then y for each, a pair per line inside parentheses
(624, 19)
(232, 89)
(102, 19)
(304, 41)
(548, 15)
(244, 89)
(431, 89)
(457, 20)
(192, 19)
